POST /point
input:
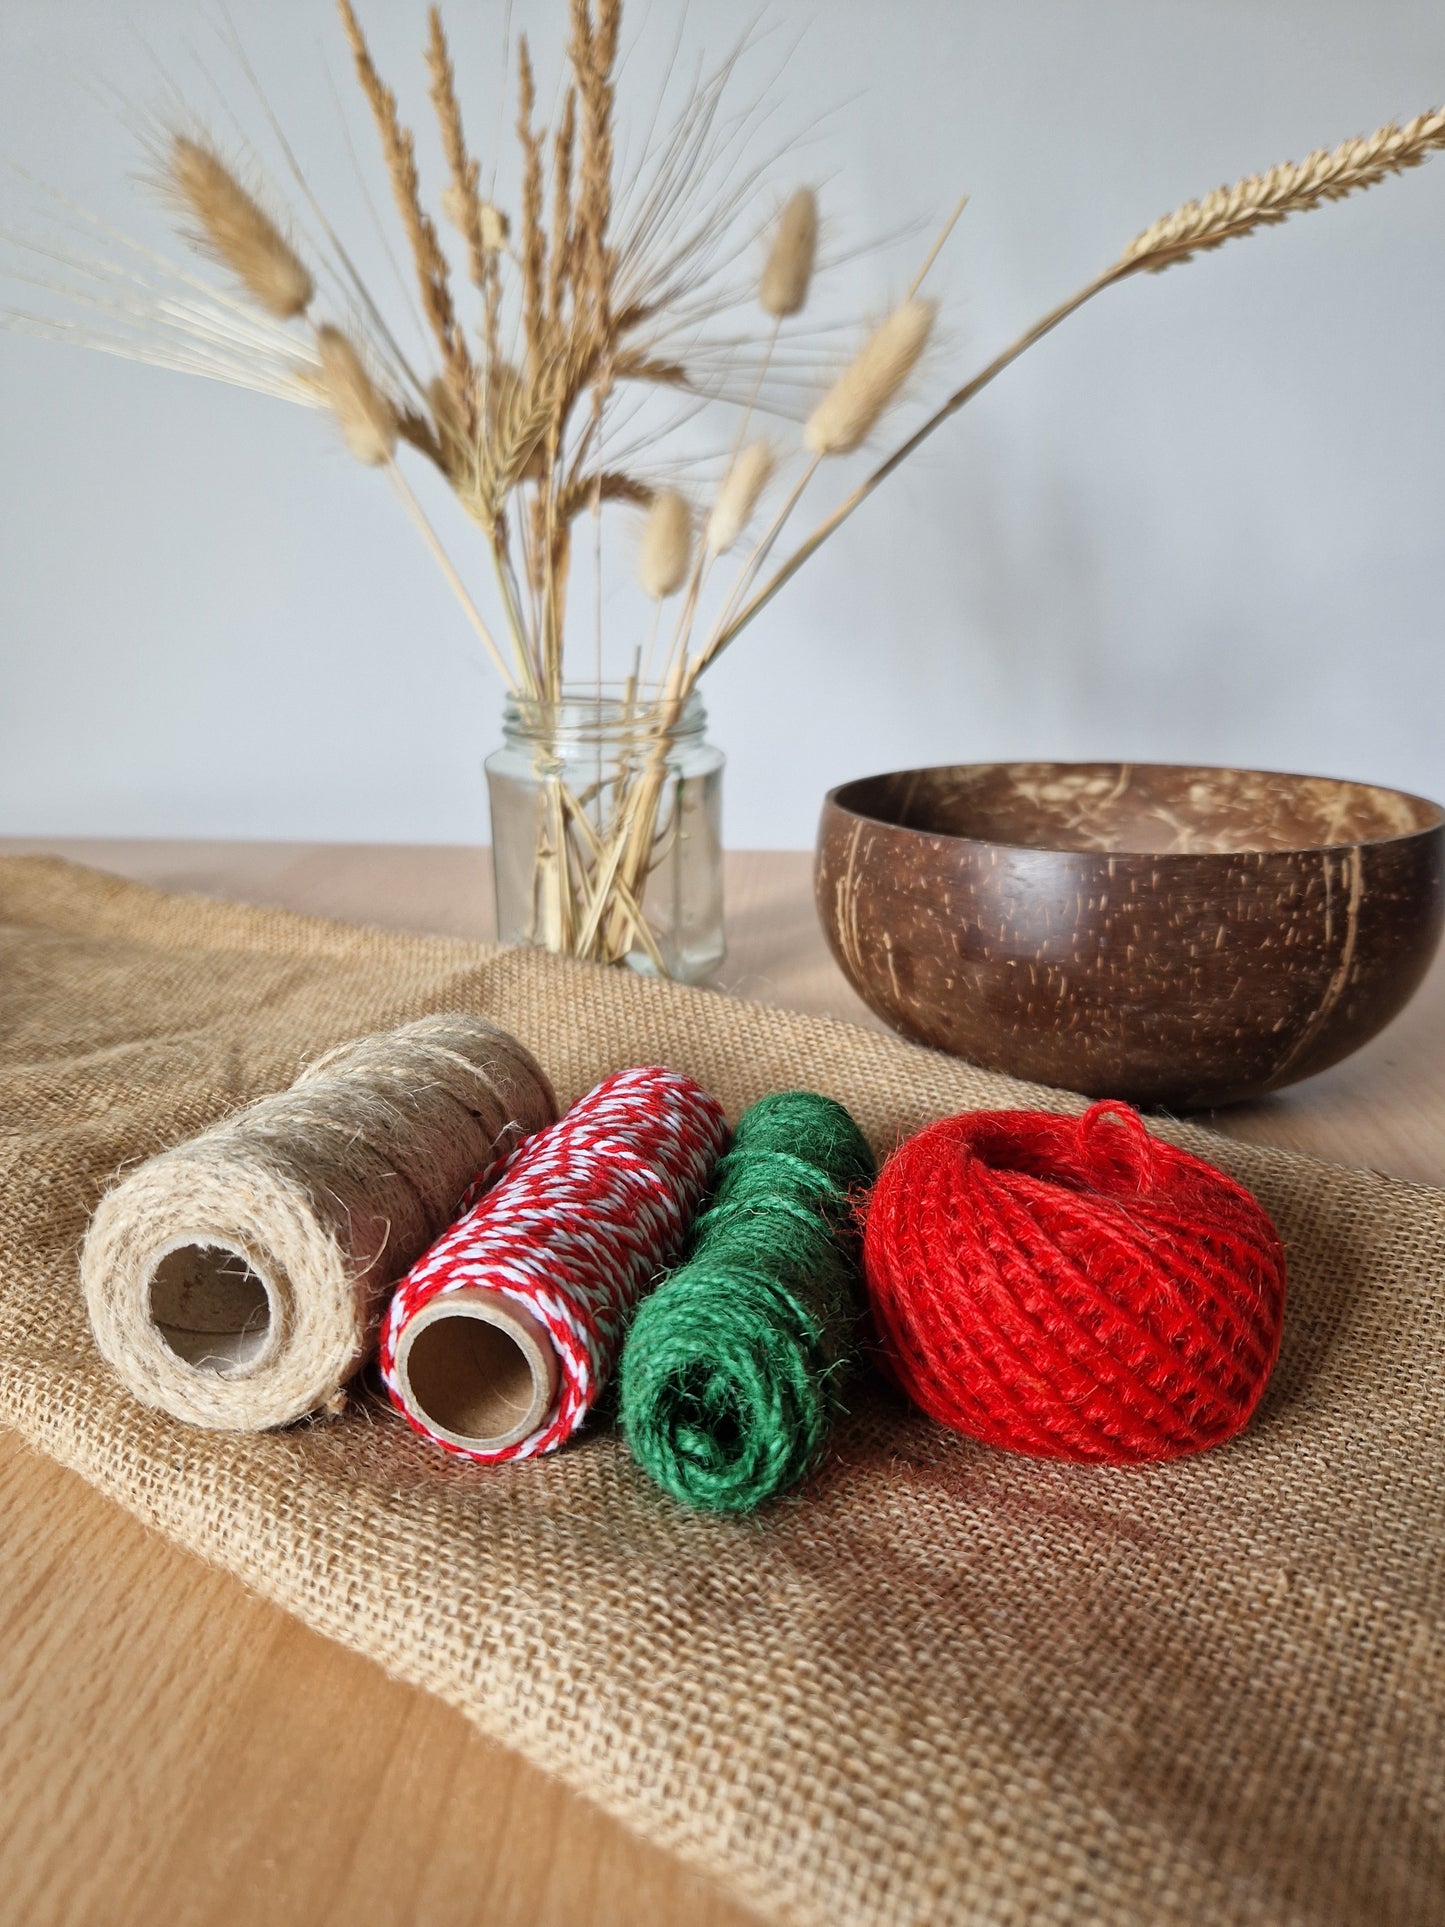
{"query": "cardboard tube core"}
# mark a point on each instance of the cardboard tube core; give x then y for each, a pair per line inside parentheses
(210, 1308)
(477, 1369)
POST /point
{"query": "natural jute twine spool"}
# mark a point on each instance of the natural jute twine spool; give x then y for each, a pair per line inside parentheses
(236, 1281)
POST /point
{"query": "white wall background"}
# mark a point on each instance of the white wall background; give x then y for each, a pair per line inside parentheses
(1202, 522)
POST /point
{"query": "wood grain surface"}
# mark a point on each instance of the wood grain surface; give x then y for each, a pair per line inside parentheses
(173, 1748)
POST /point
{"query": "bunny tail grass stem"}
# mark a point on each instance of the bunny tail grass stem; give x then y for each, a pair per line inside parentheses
(598, 899)
(651, 646)
(726, 626)
(762, 375)
(444, 562)
(682, 635)
(620, 877)
(933, 253)
(512, 604)
(611, 895)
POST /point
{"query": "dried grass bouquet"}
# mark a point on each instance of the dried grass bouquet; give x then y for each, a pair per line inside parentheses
(581, 296)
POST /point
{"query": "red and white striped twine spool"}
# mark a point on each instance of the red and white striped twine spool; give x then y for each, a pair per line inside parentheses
(574, 1225)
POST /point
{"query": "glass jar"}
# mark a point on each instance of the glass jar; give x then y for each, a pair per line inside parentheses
(607, 831)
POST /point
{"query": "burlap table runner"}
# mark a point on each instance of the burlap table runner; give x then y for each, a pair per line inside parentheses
(942, 1684)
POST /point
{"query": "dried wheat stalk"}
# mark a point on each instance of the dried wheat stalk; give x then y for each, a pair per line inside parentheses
(1294, 187)
(462, 201)
(534, 237)
(399, 149)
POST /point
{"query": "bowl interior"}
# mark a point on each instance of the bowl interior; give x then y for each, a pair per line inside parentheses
(1145, 807)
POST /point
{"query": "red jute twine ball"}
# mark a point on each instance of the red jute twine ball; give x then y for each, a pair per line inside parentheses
(1072, 1287)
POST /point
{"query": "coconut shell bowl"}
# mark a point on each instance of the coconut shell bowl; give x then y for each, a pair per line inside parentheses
(1179, 937)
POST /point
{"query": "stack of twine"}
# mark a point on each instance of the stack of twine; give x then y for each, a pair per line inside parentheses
(1065, 1287)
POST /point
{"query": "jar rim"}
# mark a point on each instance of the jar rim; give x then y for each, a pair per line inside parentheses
(598, 712)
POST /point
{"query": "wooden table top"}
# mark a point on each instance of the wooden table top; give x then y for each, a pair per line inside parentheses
(173, 1748)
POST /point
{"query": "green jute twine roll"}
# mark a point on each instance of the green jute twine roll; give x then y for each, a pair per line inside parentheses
(730, 1372)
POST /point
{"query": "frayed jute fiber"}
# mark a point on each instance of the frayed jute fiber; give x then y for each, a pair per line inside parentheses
(939, 1683)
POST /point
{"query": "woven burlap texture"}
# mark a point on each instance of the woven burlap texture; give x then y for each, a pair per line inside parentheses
(940, 1684)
